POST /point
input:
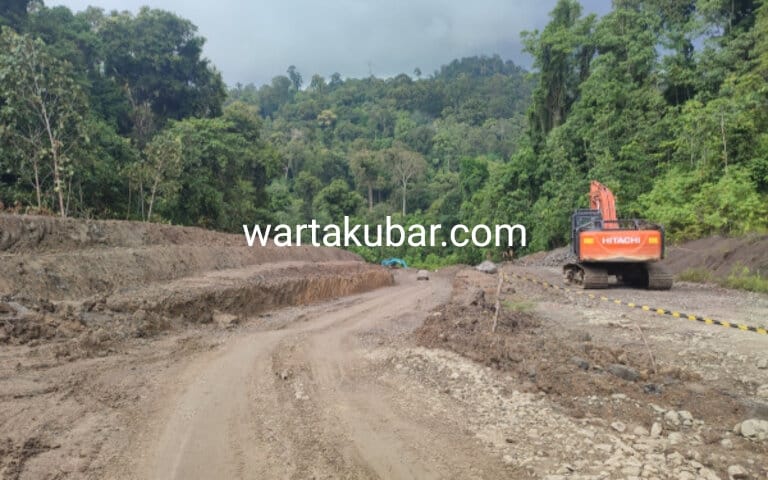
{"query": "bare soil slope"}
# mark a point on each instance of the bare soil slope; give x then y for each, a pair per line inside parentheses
(65, 278)
(721, 255)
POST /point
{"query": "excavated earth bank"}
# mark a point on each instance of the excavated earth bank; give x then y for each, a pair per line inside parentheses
(65, 278)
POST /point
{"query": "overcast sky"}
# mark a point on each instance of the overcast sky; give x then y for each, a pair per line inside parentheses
(253, 41)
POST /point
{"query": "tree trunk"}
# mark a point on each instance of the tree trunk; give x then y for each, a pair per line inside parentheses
(370, 197)
(725, 145)
(128, 210)
(55, 154)
(152, 199)
(141, 199)
(404, 192)
(36, 168)
(57, 183)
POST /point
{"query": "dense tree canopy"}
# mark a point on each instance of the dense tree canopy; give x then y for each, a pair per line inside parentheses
(664, 101)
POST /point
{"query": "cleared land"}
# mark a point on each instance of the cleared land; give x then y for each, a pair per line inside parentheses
(144, 351)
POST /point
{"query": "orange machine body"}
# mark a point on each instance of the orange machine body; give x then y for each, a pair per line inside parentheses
(619, 245)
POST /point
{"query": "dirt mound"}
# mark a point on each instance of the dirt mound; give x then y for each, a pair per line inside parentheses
(465, 324)
(72, 275)
(67, 277)
(31, 233)
(565, 363)
(721, 256)
(553, 258)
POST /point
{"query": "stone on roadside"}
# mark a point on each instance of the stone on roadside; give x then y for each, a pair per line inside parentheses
(685, 417)
(672, 418)
(640, 431)
(753, 429)
(656, 429)
(762, 391)
(762, 364)
(622, 371)
(618, 426)
(737, 472)
(487, 267)
(675, 438)
(422, 275)
(580, 362)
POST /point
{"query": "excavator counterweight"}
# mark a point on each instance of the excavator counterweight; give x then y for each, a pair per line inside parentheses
(604, 246)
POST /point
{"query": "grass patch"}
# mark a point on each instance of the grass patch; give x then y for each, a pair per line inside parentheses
(699, 275)
(741, 278)
(517, 306)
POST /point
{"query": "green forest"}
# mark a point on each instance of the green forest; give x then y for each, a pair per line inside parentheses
(119, 115)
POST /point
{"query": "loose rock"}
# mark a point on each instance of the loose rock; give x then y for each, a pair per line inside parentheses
(753, 429)
(762, 391)
(737, 472)
(675, 438)
(672, 418)
(580, 362)
(618, 426)
(487, 267)
(627, 373)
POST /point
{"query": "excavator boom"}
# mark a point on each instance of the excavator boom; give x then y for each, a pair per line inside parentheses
(602, 199)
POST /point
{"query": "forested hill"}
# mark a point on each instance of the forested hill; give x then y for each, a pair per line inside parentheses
(118, 115)
(405, 144)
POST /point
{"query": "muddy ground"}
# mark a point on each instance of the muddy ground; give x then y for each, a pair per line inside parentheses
(148, 351)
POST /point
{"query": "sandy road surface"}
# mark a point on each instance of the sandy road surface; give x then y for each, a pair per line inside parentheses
(303, 402)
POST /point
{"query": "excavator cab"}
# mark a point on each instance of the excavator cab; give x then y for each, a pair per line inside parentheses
(604, 246)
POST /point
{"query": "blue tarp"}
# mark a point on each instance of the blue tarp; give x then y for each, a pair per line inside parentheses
(394, 262)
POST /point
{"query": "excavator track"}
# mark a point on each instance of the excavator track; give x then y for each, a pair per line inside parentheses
(658, 277)
(585, 276)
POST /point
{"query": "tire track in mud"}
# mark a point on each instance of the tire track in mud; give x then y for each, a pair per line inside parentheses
(302, 402)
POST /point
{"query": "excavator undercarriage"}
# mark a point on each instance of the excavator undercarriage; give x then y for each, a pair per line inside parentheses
(598, 275)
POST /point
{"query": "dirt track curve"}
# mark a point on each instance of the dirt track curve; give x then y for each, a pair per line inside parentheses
(304, 402)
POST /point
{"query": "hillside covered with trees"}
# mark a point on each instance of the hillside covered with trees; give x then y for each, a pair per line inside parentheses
(118, 115)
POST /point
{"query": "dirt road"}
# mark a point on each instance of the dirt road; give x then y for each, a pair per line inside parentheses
(305, 402)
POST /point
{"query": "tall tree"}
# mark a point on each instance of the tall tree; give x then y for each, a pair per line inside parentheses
(562, 54)
(366, 167)
(295, 77)
(406, 166)
(43, 107)
(164, 166)
(157, 57)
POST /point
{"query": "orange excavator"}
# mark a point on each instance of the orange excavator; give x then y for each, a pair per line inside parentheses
(603, 246)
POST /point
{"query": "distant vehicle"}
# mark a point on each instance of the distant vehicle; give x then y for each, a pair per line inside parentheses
(394, 262)
(603, 246)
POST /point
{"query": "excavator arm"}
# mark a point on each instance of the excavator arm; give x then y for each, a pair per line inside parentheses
(601, 198)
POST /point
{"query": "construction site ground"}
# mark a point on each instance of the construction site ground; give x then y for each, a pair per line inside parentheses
(144, 351)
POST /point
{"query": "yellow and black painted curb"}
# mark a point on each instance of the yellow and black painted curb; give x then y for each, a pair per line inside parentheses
(646, 308)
